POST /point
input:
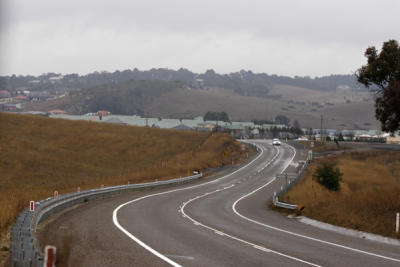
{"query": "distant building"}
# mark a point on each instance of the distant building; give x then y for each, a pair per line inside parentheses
(4, 94)
(182, 127)
(56, 78)
(255, 133)
(205, 127)
(393, 140)
(270, 126)
(20, 98)
(237, 131)
(371, 138)
(103, 113)
(10, 107)
(57, 112)
(39, 96)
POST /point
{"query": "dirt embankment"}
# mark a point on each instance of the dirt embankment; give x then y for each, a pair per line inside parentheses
(369, 196)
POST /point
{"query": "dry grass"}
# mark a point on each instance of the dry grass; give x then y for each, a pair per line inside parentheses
(369, 195)
(39, 155)
(325, 146)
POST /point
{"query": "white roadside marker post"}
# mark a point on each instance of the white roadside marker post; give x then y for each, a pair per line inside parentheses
(397, 222)
(55, 194)
(49, 256)
(79, 189)
(31, 205)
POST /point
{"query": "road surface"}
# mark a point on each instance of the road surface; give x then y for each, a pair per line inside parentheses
(223, 220)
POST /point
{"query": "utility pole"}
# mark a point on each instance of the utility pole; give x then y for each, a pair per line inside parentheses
(321, 128)
(286, 177)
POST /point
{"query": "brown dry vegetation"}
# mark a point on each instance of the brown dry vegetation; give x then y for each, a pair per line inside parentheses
(325, 146)
(39, 155)
(369, 195)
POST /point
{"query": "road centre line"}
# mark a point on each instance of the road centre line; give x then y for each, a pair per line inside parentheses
(300, 235)
(144, 245)
(234, 237)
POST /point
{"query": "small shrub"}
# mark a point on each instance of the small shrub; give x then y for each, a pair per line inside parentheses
(328, 176)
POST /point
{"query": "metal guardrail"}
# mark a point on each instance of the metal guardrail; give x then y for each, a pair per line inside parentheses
(24, 249)
(291, 180)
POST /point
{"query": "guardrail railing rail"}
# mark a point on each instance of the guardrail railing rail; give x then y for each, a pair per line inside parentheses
(291, 180)
(25, 250)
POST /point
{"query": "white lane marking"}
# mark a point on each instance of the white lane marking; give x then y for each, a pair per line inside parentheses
(236, 238)
(300, 235)
(153, 251)
(180, 257)
(141, 243)
(262, 248)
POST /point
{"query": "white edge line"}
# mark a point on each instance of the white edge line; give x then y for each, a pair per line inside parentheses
(300, 235)
(141, 243)
(236, 238)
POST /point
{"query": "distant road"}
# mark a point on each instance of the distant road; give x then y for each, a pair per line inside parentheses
(224, 220)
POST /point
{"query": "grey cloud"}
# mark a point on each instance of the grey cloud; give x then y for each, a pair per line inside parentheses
(318, 29)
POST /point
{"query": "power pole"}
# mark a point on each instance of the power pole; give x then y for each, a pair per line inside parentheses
(321, 134)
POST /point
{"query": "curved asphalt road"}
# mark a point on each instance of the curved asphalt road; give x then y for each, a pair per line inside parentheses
(223, 222)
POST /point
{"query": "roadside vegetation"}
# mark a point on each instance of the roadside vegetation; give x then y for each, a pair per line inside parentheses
(326, 146)
(368, 198)
(328, 176)
(39, 155)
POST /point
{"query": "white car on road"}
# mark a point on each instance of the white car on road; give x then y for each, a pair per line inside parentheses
(276, 142)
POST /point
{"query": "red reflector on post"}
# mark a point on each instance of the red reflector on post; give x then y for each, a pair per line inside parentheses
(49, 256)
(31, 205)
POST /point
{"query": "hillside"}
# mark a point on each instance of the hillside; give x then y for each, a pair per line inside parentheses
(178, 100)
(242, 82)
(40, 155)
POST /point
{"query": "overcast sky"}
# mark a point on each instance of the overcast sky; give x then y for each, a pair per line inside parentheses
(284, 37)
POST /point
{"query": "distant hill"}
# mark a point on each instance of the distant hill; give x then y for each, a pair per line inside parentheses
(342, 109)
(244, 95)
(243, 82)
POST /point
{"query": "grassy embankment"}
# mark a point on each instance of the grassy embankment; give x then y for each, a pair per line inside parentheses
(39, 155)
(320, 147)
(369, 195)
